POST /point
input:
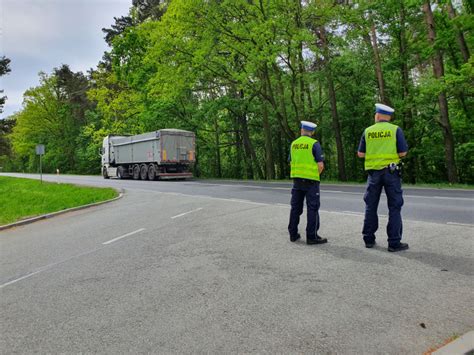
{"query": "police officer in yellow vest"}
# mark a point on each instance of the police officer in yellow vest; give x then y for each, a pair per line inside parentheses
(383, 145)
(307, 163)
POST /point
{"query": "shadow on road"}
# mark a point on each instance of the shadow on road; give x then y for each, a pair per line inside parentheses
(458, 264)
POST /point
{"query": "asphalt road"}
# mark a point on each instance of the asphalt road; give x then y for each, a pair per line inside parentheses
(447, 206)
(207, 267)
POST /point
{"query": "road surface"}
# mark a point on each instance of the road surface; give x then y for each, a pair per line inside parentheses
(194, 267)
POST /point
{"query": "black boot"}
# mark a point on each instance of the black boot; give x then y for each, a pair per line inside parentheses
(398, 247)
(295, 238)
(317, 240)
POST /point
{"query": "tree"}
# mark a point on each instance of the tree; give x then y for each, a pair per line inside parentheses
(4, 69)
(438, 70)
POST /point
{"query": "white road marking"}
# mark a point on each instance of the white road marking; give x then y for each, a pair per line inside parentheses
(362, 214)
(341, 192)
(124, 236)
(232, 200)
(47, 267)
(241, 185)
(185, 213)
(20, 278)
(460, 224)
(446, 198)
(351, 212)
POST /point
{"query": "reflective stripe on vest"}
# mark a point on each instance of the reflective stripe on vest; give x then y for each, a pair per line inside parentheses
(381, 146)
(303, 164)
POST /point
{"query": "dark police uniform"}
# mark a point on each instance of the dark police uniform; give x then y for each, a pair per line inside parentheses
(381, 144)
(305, 153)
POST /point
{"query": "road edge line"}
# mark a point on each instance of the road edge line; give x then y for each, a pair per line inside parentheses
(462, 345)
(57, 213)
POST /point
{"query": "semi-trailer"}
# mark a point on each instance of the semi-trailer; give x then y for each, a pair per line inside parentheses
(162, 154)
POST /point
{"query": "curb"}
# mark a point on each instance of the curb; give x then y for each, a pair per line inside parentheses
(461, 346)
(54, 214)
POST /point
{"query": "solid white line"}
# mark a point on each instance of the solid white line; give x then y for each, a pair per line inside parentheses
(240, 185)
(123, 236)
(460, 224)
(185, 213)
(227, 199)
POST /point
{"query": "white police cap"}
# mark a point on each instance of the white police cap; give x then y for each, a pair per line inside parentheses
(384, 109)
(308, 126)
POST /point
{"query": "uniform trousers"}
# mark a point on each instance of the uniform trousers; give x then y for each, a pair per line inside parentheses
(309, 189)
(392, 184)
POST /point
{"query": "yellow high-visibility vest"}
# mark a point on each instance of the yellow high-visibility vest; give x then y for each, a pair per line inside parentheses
(303, 164)
(381, 146)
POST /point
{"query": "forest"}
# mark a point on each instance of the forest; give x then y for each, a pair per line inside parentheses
(242, 74)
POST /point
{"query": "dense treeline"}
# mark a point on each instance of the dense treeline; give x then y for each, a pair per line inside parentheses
(241, 74)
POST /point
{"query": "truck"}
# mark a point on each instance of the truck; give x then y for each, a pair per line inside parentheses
(162, 154)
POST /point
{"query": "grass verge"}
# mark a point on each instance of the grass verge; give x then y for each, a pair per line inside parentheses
(24, 198)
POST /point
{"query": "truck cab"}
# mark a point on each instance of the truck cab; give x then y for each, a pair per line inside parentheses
(107, 154)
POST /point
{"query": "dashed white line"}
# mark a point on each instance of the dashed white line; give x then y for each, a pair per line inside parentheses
(443, 197)
(124, 236)
(355, 213)
(49, 266)
(20, 278)
(185, 213)
(341, 192)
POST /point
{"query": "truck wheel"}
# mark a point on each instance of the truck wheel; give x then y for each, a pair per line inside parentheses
(143, 172)
(104, 173)
(120, 172)
(151, 172)
(136, 172)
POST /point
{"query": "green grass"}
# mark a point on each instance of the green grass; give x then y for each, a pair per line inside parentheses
(24, 198)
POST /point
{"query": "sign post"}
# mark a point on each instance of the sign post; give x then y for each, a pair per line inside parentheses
(40, 152)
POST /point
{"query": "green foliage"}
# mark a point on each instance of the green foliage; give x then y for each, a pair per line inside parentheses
(242, 74)
(23, 198)
(4, 69)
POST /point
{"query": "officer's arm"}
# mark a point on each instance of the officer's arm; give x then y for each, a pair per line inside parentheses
(318, 156)
(320, 167)
(402, 146)
(361, 150)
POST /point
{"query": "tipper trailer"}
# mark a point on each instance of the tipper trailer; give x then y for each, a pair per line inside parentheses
(162, 154)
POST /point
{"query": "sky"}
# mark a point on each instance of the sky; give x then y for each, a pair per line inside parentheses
(40, 35)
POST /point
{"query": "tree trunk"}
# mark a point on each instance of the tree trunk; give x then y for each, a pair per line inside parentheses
(407, 123)
(378, 66)
(341, 166)
(238, 150)
(282, 160)
(459, 35)
(249, 150)
(281, 98)
(218, 149)
(269, 166)
(438, 71)
(280, 110)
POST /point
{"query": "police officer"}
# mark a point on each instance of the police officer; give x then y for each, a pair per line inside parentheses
(383, 145)
(307, 163)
